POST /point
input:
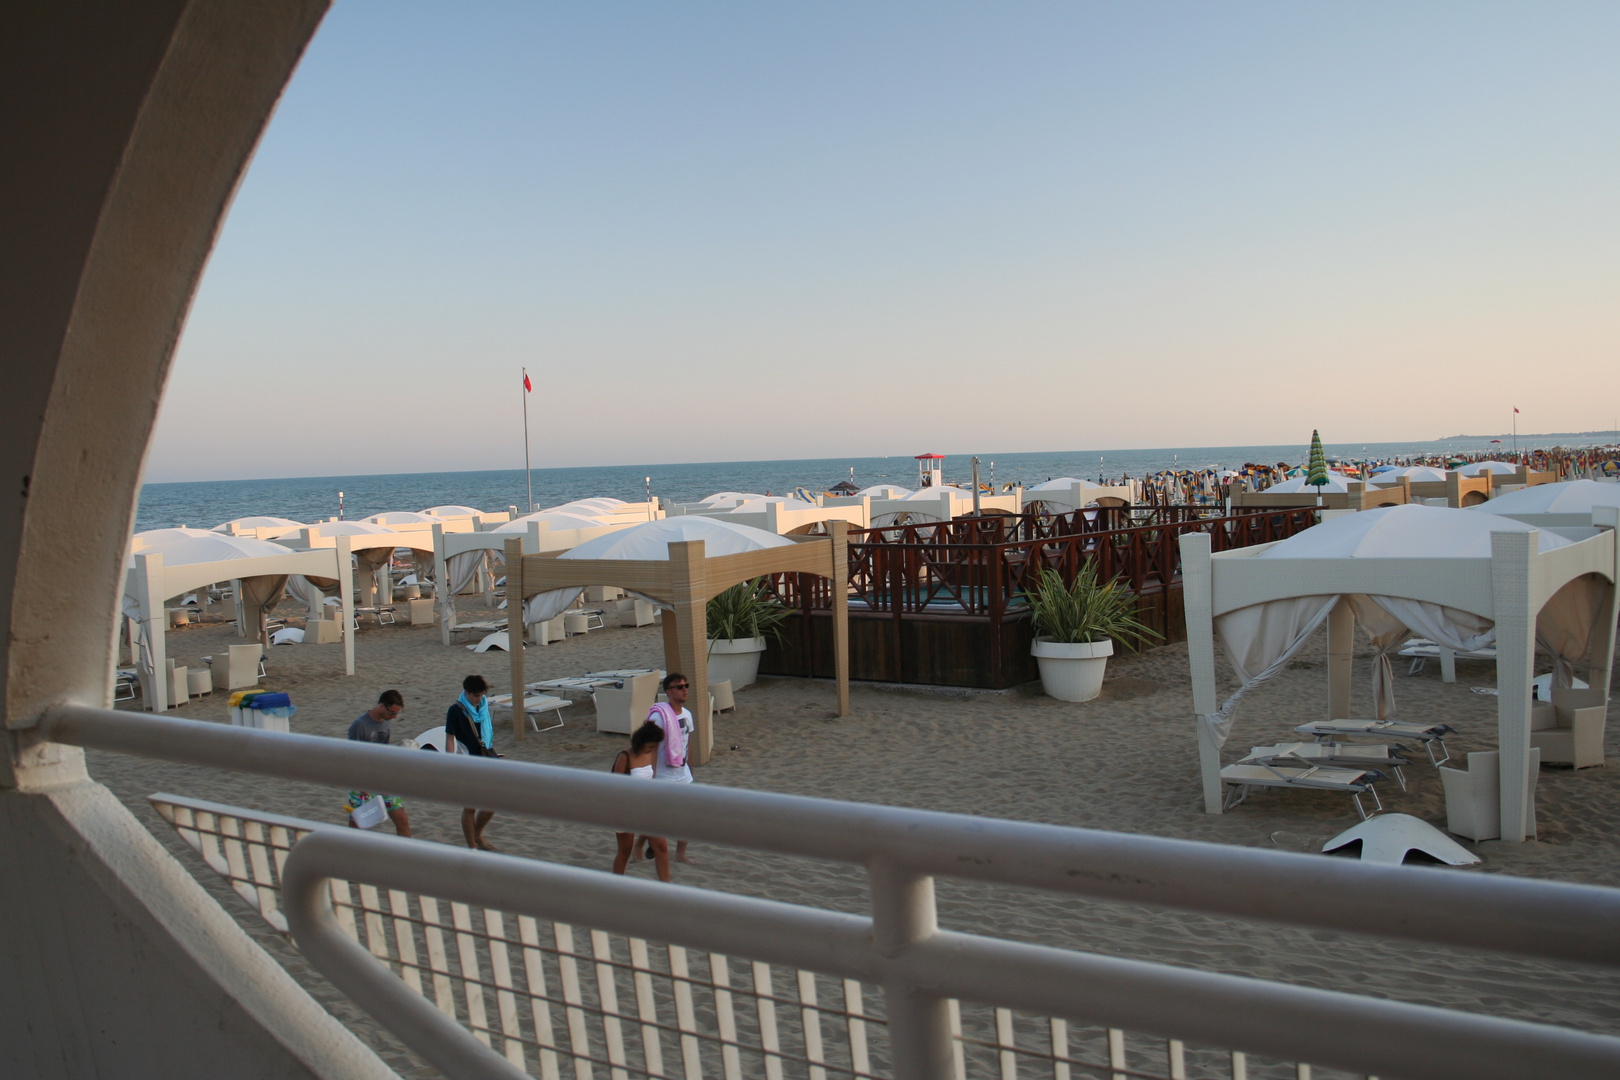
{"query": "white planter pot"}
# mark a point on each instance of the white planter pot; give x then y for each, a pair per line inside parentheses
(1071, 672)
(737, 660)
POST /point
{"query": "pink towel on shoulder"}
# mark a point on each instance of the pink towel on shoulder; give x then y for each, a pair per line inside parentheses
(674, 733)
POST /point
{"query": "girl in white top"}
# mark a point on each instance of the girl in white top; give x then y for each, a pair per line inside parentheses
(675, 720)
(637, 762)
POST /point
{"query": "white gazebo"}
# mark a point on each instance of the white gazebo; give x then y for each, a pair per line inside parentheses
(167, 563)
(1565, 505)
(1071, 493)
(1461, 578)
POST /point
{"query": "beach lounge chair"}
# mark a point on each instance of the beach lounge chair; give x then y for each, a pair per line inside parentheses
(1420, 650)
(1474, 796)
(1427, 734)
(1347, 755)
(500, 639)
(1352, 782)
(1570, 731)
(432, 737)
(127, 685)
(534, 703)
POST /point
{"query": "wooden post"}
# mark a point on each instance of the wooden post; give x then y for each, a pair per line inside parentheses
(514, 632)
(345, 569)
(691, 595)
(1341, 655)
(838, 533)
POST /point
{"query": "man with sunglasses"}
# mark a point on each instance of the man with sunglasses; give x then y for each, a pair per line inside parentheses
(675, 719)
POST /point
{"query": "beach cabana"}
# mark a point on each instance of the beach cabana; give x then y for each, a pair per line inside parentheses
(1068, 493)
(1341, 492)
(372, 549)
(677, 563)
(259, 527)
(1460, 578)
(1566, 505)
(785, 515)
(167, 563)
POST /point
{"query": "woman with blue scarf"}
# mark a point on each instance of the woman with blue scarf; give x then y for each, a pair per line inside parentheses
(468, 724)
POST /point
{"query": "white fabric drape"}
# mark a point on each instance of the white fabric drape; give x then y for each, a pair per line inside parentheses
(1565, 624)
(543, 607)
(1452, 628)
(460, 569)
(1259, 641)
(1388, 634)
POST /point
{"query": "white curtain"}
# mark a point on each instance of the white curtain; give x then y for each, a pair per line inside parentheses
(460, 569)
(1453, 628)
(1259, 641)
(1565, 624)
(1388, 634)
(543, 607)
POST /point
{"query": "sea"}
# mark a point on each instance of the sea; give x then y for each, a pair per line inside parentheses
(204, 504)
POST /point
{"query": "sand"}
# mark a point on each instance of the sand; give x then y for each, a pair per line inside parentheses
(1126, 761)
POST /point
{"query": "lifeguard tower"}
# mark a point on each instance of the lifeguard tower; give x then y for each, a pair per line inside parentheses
(930, 470)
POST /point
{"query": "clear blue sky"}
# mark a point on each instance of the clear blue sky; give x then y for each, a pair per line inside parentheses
(742, 231)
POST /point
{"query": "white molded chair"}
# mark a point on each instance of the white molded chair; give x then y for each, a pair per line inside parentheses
(1474, 796)
(242, 669)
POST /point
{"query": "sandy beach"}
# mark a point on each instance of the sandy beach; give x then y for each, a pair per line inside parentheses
(1126, 762)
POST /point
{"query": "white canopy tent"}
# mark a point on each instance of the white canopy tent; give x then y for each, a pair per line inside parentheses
(395, 518)
(1500, 468)
(1337, 482)
(167, 563)
(678, 563)
(263, 528)
(1416, 474)
(1567, 504)
(783, 514)
(1070, 493)
(372, 549)
(1462, 578)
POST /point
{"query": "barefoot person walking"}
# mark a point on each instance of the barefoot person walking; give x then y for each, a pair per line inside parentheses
(637, 762)
(675, 720)
(468, 722)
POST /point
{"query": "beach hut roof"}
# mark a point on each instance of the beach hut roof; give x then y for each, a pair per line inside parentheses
(1405, 532)
(400, 517)
(451, 511)
(1570, 497)
(931, 493)
(1336, 481)
(1498, 467)
(650, 540)
(728, 497)
(1062, 483)
(885, 491)
(557, 519)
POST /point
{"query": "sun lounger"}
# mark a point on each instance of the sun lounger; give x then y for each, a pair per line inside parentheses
(1419, 650)
(1427, 734)
(477, 627)
(532, 704)
(1388, 838)
(1348, 755)
(1352, 782)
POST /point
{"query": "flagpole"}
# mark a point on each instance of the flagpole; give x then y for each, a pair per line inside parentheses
(528, 474)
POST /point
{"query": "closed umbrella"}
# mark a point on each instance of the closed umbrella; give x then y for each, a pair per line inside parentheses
(1316, 470)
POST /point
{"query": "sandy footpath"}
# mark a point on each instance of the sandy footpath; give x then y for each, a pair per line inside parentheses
(1126, 762)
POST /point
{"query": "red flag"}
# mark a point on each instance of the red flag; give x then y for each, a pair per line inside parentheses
(1515, 408)
(528, 387)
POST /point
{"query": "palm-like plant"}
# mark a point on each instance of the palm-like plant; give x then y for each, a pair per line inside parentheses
(1086, 611)
(744, 611)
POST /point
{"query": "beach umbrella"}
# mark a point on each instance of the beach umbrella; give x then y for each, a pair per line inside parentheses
(1316, 470)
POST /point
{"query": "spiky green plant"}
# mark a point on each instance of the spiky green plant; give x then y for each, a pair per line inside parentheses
(1088, 610)
(746, 610)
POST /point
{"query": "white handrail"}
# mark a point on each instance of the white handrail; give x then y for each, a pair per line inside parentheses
(1499, 913)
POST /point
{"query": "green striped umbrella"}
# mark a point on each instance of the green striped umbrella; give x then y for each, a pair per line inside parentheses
(1316, 470)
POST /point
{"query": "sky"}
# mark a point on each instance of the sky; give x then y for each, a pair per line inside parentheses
(730, 231)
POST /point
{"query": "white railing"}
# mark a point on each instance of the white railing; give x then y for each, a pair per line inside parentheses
(1024, 1009)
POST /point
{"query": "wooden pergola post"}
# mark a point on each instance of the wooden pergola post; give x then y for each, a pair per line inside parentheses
(689, 582)
(515, 630)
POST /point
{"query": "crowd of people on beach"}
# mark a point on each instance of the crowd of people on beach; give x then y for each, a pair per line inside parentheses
(657, 751)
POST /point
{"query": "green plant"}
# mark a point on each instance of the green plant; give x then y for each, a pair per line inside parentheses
(1086, 611)
(746, 610)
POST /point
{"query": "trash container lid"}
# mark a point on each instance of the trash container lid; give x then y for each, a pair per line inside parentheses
(269, 701)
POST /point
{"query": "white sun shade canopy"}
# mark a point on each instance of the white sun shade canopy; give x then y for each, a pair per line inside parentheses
(728, 498)
(930, 494)
(884, 491)
(588, 507)
(1062, 483)
(1417, 474)
(259, 523)
(1405, 532)
(1499, 467)
(1337, 481)
(401, 517)
(451, 511)
(1571, 497)
(649, 541)
(557, 519)
(182, 547)
(352, 528)
(757, 506)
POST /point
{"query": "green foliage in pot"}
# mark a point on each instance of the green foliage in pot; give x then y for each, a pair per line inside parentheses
(1085, 612)
(746, 610)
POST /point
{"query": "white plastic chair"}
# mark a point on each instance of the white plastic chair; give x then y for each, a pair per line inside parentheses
(1474, 796)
